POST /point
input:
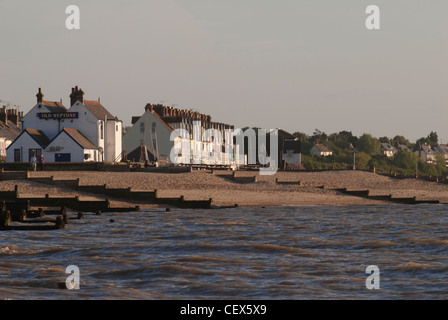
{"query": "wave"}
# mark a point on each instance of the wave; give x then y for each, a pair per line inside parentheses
(210, 259)
(15, 250)
(278, 248)
(375, 244)
(414, 266)
(433, 242)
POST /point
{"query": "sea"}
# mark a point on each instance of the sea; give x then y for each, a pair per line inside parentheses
(258, 253)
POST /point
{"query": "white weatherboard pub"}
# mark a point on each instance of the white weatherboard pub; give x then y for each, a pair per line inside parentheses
(85, 132)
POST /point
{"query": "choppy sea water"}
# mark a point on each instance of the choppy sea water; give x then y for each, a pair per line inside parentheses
(307, 252)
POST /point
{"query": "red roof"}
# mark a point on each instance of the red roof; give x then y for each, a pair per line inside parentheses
(322, 148)
(97, 109)
(54, 106)
(80, 138)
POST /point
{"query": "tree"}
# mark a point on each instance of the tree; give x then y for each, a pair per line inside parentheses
(369, 144)
(319, 135)
(440, 163)
(381, 162)
(362, 160)
(432, 139)
(384, 139)
(306, 145)
(300, 135)
(400, 140)
(405, 159)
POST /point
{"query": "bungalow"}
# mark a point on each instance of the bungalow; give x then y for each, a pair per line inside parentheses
(320, 150)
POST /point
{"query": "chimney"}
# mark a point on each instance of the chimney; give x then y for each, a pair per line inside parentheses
(13, 116)
(40, 96)
(3, 115)
(77, 95)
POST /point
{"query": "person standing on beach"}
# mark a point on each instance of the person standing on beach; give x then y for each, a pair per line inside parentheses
(41, 162)
(33, 162)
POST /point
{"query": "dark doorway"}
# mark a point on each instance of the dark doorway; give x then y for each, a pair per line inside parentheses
(16, 155)
(62, 157)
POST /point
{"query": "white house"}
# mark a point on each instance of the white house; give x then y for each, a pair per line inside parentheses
(320, 150)
(154, 128)
(97, 124)
(30, 142)
(426, 153)
(388, 150)
(85, 132)
(81, 149)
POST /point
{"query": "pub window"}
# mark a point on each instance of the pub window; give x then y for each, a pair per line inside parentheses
(17, 155)
(142, 127)
(34, 152)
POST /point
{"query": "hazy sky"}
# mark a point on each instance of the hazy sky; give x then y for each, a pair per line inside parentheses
(291, 64)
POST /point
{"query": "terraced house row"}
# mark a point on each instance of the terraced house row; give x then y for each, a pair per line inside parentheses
(88, 132)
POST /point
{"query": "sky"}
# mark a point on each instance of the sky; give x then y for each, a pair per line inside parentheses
(298, 65)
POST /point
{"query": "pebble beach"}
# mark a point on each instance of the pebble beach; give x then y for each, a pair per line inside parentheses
(203, 185)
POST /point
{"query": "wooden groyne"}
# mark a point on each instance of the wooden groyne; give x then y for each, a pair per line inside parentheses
(366, 194)
(150, 197)
(14, 202)
(29, 220)
(15, 208)
(297, 183)
(234, 177)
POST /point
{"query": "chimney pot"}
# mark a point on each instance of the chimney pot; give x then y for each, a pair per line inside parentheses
(40, 96)
(77, 94)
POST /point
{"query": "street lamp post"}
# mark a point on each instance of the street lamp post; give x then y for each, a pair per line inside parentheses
(416, 168)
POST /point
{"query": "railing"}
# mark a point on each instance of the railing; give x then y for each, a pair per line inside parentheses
(123, 156)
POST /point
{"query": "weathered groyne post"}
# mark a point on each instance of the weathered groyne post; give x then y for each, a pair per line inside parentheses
(60, 224)
(5, 219)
